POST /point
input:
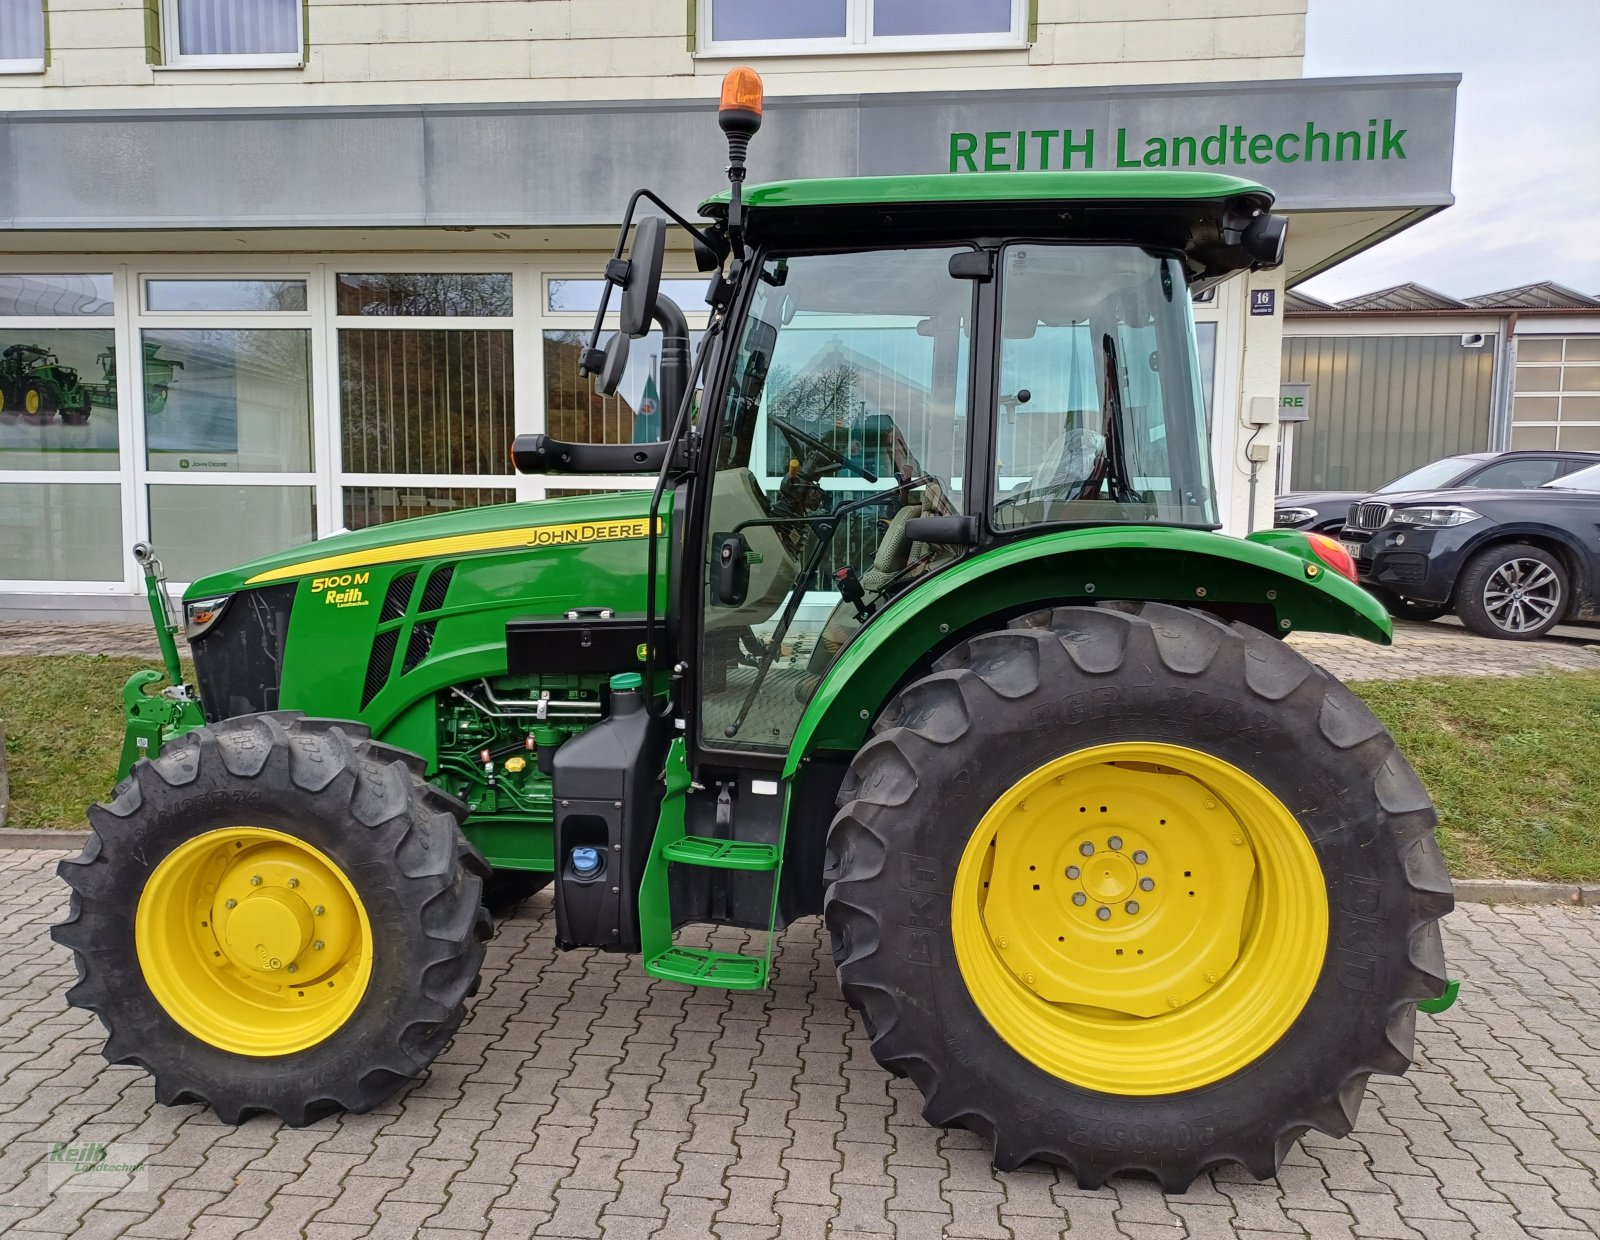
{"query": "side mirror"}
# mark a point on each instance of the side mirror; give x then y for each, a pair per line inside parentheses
(733, 569)
(614, 366)
(645, 260)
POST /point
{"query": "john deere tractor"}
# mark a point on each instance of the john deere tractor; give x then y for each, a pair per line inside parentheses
(926, 626)
(35, 384)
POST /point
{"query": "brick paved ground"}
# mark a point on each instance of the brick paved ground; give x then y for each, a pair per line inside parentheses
(582, 1100)
(1439, 649)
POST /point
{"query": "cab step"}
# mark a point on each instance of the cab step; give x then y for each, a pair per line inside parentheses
(695, 966)
(721, 854)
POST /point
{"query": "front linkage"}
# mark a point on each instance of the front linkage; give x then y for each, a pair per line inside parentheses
(153, 719)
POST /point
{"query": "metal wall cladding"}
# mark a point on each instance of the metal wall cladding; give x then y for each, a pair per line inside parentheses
(1382, 405)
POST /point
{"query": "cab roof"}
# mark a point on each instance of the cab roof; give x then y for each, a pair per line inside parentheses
(993, 187)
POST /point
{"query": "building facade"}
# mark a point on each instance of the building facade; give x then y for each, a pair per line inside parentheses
(1399, 377)
(273, 268)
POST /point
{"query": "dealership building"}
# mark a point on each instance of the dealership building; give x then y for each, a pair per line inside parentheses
(274, 268)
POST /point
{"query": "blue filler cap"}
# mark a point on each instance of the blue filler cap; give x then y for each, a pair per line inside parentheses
(585, 861)
(626, 680)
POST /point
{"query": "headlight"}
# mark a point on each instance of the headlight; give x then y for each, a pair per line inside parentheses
(1293, 516)
(201, 614)
(1439, 518)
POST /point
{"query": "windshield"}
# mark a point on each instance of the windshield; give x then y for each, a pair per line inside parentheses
(1587, 479)
(1101, 416)
(1430, 477)
(845, 419)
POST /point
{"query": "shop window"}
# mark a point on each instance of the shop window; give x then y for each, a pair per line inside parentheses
(233, 33)
(426, 295)
(426, 401)
(364, 506)
(566, 296)
(58, 399)
(225, 296)
(61, 531)
(21, 36)
(227, 400)
(756, 27)
(23, 296)
(576, 411)
(204, 529)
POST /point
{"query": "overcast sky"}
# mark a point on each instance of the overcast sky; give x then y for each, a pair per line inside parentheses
(1527, 158)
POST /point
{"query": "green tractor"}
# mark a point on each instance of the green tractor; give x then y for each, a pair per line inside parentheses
(954, 656)
(34, 384)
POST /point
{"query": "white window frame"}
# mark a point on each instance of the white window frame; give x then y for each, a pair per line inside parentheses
(858, 37)
(29, 64)
(174, 57)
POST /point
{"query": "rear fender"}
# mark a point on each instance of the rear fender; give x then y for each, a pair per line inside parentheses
(1278, 577)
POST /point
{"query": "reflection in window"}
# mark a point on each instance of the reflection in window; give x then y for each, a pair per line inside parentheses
(227, 400)
(236, 296)
(58, 399)
(61, 531)
(575, 410)
(22, 295)
(364, 506)
(204, 529)
(583, 296)
(426, 294)
(426, 401)
(21, 36)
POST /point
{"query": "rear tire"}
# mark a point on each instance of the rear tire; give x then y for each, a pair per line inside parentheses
(356, 849)
(999, 709)
(1488, 599)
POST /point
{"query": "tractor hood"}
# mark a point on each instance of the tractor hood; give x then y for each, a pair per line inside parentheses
(497, 528)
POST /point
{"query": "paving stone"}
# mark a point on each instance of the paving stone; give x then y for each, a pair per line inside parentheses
(593, 1102)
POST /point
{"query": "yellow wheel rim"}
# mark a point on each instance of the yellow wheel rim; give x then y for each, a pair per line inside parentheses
(31, 402)
(253, 941)
(1139, 919)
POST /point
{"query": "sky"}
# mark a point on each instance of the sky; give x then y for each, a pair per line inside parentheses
(1527, 155)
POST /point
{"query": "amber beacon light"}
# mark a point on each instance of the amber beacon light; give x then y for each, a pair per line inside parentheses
(740, 109)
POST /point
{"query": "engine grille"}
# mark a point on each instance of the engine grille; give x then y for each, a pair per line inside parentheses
(238, 663)
(1369, 515)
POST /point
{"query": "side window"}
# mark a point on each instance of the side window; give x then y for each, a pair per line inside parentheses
(1516, 475)
(233, 33)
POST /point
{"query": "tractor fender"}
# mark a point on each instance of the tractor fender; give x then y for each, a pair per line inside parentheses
(1271, 576)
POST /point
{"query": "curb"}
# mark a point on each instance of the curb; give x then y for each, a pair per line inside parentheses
(22, 837)
(1468, 890)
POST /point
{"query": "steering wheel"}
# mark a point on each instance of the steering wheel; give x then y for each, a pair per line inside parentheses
(794, 435)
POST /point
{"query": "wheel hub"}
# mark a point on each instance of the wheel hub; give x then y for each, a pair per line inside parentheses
(1122, 888)
(253, 940)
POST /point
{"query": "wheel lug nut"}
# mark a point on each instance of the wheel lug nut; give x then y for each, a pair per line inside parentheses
(319, 910)
(230, 902)
(294, 968)
(1140, 857)
(1132, 906)
(294, 882)
(1073, 871)
(1079, 898)
(1086, 848)
(1114, 843)
(255, 880)
(1147, 884)
(317, 946)
(1103, 913)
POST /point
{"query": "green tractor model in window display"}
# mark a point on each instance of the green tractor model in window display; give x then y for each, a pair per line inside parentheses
(34, 384)
(955, 658)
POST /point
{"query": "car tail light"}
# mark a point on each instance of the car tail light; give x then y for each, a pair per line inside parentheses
(1332, 553)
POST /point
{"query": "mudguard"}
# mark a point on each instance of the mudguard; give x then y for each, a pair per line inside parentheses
(1276, 573)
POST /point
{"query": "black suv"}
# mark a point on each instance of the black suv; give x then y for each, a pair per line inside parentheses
(1324, 511)
(1510, 563)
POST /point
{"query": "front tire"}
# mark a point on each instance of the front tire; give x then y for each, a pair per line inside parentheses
(1217, 764)
(276, 915)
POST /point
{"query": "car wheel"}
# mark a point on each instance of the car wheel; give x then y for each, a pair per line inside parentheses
(1515, 591)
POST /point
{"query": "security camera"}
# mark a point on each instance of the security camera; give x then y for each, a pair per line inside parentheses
(1472, 340)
